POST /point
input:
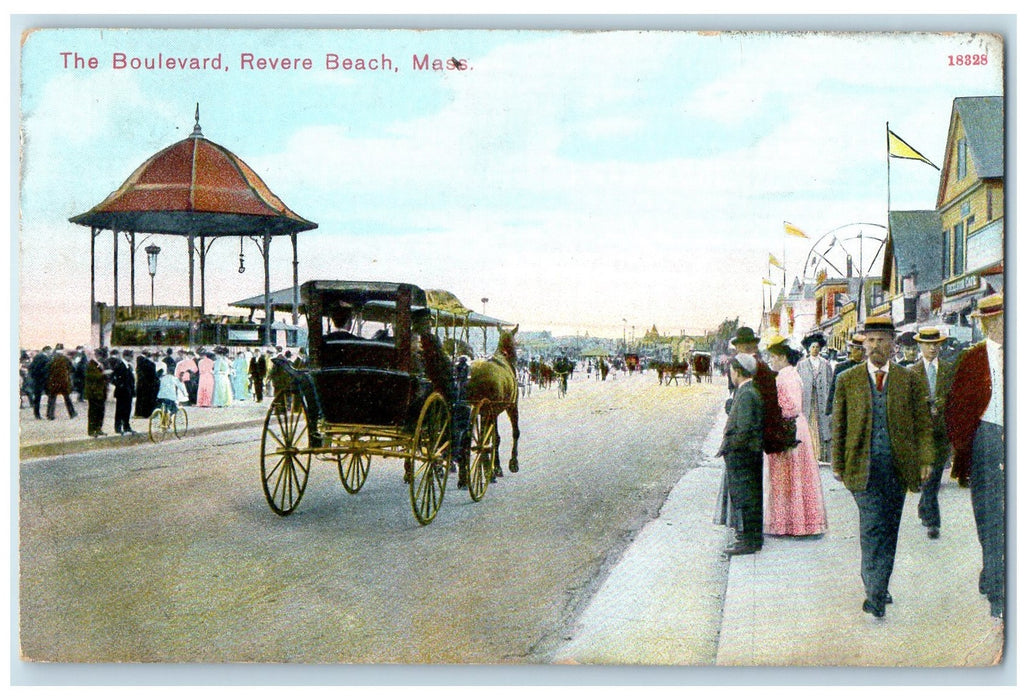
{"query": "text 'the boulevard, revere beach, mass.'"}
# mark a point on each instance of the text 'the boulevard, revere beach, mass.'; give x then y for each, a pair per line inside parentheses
(73, 60)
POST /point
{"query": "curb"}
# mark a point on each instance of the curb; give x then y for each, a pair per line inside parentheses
(66, 447)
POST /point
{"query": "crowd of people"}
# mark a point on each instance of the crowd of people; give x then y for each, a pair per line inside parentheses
(888, 420)
(141, 378)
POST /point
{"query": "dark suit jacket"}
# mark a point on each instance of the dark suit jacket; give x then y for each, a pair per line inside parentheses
(968, 398)
(909, 426)
(841, 367)
(942, 383)
(744, 430)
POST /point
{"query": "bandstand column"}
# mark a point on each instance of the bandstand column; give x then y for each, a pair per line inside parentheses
(132, 268)
(295, 283)
(267, 287)
(203, 275)
(115, 281)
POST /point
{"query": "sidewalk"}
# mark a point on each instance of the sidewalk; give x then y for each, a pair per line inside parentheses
(674, 598)
(63, 435)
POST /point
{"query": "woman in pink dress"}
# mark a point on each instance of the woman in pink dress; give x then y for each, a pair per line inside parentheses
(795, 502)
(205, 392)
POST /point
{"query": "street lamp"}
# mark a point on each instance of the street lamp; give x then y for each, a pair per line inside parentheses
(484, 328)
(151, 261)
(624, 335)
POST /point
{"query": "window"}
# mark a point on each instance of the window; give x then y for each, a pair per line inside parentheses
(957, 249)
(946, 254)
(961, 159)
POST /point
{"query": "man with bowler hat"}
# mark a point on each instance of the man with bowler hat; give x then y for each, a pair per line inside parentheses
(938, 375)
(742, 449)
(882, 448)
(974, 418)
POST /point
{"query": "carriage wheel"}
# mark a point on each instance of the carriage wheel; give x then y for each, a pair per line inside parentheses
(283, 468)
(353, 470)
(428, 465)
(484, 449)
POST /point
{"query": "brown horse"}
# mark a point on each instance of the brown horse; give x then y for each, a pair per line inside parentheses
(495, 380)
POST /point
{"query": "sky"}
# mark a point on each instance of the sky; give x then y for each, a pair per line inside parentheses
(597, 182)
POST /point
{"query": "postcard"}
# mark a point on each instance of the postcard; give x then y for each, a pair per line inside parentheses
(525, 348)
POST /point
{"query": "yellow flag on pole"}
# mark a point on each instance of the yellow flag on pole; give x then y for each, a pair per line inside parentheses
(897, 148)
(793, 230)
(768, 282)
(775, 263)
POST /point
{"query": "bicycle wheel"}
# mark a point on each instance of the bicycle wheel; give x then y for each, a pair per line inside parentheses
(158, 427)
(181, 423)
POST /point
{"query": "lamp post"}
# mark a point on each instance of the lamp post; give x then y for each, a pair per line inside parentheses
(151, 260)
(484, 329)
(624, 335)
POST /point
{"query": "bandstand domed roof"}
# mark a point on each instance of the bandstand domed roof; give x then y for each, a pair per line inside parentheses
(194, 186)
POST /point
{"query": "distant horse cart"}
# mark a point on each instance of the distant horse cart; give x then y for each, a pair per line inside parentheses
(666, 372)
(702, 366)
(377, 385)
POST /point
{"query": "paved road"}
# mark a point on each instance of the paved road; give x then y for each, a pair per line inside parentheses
(169, 553)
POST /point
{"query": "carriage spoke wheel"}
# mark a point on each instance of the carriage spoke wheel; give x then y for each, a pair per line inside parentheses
(353, 470)
(429, 461)
(483, 451)
(283, 465)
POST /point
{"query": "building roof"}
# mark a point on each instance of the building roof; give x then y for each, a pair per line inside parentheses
(983, 121)
(194, 186)
(917, 246)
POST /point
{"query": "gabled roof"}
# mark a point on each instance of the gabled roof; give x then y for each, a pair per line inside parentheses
(916, 239)
(984, 123)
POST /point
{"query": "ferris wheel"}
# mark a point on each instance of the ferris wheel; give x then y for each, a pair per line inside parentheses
(849, 251)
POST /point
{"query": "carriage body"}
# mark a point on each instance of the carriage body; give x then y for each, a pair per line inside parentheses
(366, 392)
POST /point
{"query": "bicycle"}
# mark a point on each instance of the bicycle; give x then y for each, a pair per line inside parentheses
(162, 421)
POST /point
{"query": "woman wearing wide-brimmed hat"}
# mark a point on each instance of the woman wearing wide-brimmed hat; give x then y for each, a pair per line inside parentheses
(817, 377)
(795, 496)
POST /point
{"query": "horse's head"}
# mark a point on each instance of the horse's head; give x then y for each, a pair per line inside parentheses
(507, 346)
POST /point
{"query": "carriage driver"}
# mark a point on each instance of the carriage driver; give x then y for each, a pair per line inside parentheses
(342, 320)
(429, 356)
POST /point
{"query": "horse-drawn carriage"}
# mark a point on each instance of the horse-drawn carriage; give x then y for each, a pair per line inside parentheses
(377, 385)
(702, 366)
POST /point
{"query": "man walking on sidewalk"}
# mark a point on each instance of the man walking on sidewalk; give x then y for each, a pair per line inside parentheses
(975, 420)
(938, 375)
(742, 449)
(882, 447)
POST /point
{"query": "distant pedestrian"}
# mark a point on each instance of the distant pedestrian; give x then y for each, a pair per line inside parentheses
(58, 382)
(882, 448)
(855, 357)
(976, 426)
(938, 375)
(742, 450)
(38, 372)
(146, 385)
(124, 390)
(258, 370)
(817, 377)
(205, 390)
(78, 373)
(240, 376)
(222, 379)
(795, 496)
(97, 375)
(189, 374)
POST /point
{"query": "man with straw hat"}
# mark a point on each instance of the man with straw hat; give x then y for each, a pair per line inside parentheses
(882, 448)
(938, 375)
(974, 417)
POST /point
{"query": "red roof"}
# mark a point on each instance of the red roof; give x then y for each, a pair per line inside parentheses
(194, 186)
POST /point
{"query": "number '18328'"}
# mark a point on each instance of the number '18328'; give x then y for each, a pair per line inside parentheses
(968, 59)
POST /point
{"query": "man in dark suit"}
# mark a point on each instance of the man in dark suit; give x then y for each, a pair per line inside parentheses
(742, 449)
(938, 375)
(974, 418)
(39, 371)
(258, 370)
(882, 448)
(96, 392)
(124, 389)
(855, 357)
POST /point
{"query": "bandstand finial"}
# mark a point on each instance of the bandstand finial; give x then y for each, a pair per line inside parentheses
(196, 128)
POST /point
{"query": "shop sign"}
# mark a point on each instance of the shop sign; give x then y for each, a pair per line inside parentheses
(962, 284)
